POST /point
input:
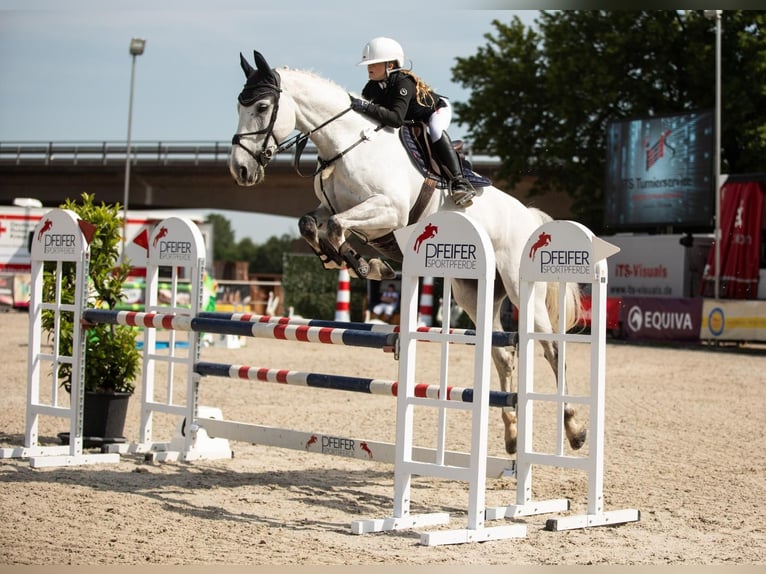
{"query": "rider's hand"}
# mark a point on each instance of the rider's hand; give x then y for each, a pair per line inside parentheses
(359, 105)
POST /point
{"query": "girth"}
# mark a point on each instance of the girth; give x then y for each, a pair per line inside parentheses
(386, 244)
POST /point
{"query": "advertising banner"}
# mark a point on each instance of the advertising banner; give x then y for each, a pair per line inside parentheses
(733, 320)
(661, 318)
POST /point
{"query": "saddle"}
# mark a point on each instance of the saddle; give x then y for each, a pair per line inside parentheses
(415, 141)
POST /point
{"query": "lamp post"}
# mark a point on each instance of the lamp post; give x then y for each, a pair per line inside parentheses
(136, 49)
(716, 15)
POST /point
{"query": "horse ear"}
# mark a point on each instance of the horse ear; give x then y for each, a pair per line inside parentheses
(246, 67)
(260, 62)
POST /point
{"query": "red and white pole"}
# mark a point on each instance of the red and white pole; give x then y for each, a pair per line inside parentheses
(343, 300)
(426, 307)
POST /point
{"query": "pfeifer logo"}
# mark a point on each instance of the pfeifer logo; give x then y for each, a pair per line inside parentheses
(55, 243)
(170, 250)
(554, 260)
(444, 254)
(46, 226)
(162, 233)
(542, 240)
(429, 232)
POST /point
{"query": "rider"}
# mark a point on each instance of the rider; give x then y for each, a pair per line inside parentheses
(394, 95)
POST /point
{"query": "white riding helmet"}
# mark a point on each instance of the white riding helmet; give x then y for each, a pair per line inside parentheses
(382, 49)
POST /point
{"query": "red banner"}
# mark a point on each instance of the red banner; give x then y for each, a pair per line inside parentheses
(741, 207)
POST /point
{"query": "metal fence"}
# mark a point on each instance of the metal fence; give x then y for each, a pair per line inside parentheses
(157, 153)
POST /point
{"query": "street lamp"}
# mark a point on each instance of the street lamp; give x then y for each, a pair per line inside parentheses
(136, 49)
(716, 15)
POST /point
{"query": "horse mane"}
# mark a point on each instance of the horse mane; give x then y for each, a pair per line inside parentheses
(314, 75)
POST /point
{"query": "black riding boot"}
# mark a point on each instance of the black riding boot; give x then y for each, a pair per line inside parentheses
(460, 188)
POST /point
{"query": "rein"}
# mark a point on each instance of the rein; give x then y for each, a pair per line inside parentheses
(266, 153)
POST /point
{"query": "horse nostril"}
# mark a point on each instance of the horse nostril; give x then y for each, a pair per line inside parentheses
(243, 173)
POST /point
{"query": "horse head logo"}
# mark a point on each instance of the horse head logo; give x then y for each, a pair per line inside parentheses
(162, 233)
(429, 232)
(542, 240)
(48, 224)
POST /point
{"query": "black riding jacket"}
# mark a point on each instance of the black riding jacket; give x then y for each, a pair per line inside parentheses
(394, 101)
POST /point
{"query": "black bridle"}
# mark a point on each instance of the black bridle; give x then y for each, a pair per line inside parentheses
(264, 155)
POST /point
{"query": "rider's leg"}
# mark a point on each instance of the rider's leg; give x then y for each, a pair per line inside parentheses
(460, 188)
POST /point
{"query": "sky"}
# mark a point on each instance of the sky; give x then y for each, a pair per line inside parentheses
(65, 66)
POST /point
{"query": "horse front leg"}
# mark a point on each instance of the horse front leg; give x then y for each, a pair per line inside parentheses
(366, 218)
(312, 227)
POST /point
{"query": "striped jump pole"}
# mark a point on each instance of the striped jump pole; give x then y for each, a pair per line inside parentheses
(499, 338)
(343, 297)
(345, 383)
(302, 333)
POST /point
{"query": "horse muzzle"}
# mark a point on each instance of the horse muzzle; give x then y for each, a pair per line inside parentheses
(246, 173)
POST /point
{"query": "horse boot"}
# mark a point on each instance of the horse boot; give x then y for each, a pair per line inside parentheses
(460, 188)
(355, 261)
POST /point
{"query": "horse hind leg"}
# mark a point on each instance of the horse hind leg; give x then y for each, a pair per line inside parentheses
(576, 434)
(504, 359)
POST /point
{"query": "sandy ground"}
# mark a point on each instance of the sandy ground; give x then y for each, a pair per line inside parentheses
(683, 445)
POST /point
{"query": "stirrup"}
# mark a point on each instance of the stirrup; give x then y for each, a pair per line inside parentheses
(462, 192)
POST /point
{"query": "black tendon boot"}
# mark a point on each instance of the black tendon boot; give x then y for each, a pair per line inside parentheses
(460, 188)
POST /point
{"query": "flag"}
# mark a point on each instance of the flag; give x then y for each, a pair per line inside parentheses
(741, 212)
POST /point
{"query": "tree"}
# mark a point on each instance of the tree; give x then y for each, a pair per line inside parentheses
(541, 99)
(224, 246)
(268, 257)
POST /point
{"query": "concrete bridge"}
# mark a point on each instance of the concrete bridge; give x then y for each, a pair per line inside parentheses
(163, 175)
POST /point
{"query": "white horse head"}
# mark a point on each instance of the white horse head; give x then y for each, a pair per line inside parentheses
(265, 118)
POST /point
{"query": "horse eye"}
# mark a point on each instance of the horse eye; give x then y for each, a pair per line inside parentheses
(260, 108)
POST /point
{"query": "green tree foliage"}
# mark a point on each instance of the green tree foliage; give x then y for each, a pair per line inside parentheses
(312, 291)
(268, 257)
(541, 99)
(263, 258)
(224, 244)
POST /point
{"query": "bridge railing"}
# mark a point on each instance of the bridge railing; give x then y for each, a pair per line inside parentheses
(143, 152)
(112, 152)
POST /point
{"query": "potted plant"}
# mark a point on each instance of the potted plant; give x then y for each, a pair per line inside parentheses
(112, 359)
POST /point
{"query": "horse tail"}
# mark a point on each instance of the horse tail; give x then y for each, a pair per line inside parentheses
(572, 301)
(573, 297)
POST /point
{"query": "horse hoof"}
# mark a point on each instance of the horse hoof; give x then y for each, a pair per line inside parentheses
(510, 446)
(382, 269)
(576, 441)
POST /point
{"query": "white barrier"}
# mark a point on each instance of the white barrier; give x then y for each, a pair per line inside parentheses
(448, 245)
(61, 238)
(176, 244)
(563, 251)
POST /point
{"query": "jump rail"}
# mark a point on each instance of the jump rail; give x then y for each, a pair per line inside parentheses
(345, 383)
(302, 333)
(499, 338)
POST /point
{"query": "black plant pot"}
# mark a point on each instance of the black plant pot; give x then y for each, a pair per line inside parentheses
(103, 419)
(104, 414)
